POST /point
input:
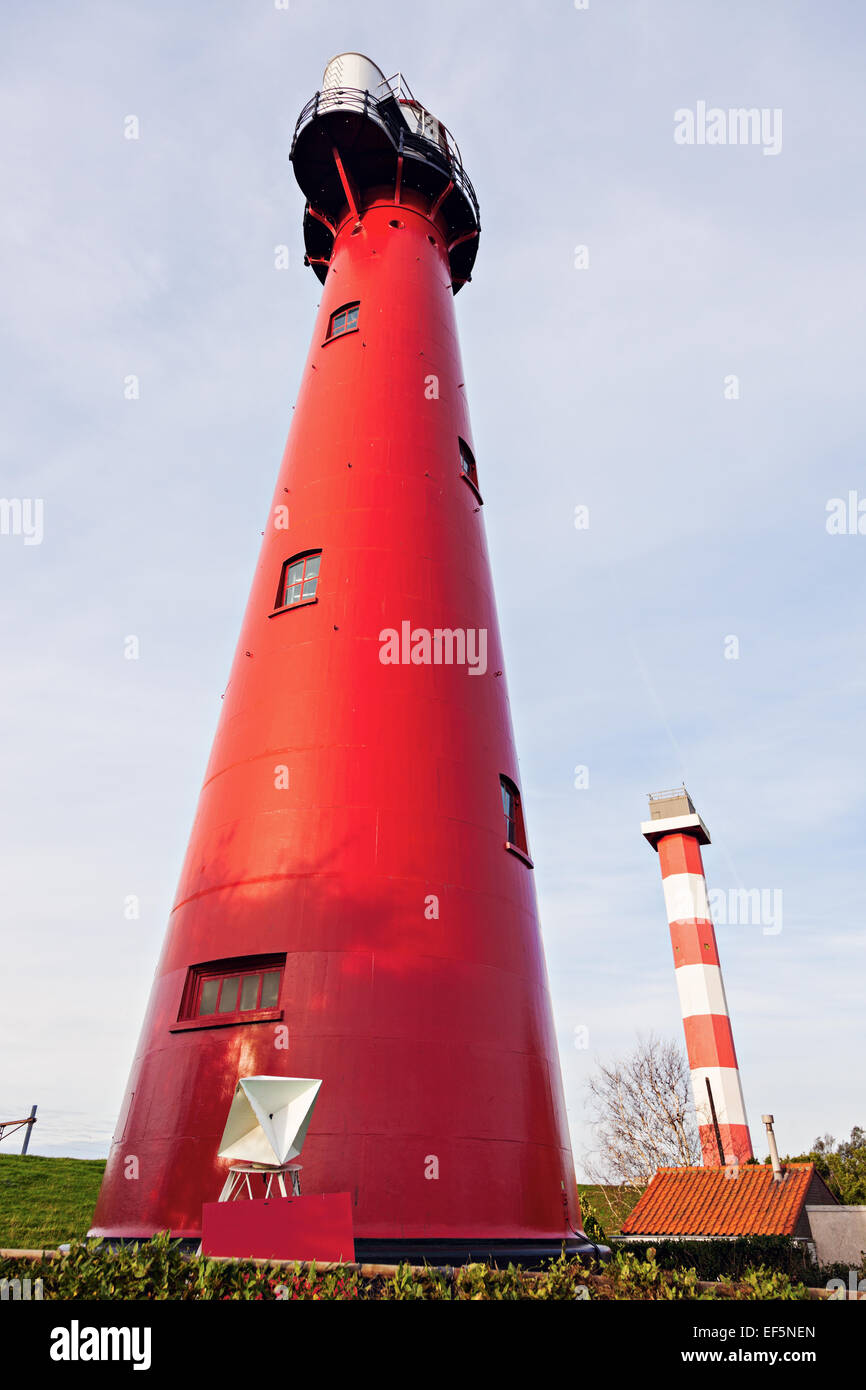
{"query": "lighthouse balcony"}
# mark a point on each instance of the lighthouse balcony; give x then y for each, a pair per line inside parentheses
(349, 142)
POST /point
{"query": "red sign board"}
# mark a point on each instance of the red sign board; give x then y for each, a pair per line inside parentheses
(317, 1226)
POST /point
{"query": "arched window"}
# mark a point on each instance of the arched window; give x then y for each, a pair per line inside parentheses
(343, 320)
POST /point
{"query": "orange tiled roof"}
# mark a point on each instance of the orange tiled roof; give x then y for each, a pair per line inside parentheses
(708, 1202)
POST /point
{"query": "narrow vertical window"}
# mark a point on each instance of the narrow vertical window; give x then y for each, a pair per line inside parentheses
(343, 320)
(515, 830)
(298, 579)
(468, 470)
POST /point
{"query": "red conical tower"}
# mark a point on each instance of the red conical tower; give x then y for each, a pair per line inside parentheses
(357, 901)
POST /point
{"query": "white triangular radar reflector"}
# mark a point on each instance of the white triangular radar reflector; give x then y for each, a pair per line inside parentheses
(268, 1119)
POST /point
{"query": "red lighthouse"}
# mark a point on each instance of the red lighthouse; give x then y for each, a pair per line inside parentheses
(357, 901)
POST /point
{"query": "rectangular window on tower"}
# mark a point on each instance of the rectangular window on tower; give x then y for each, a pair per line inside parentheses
(343, 320)
(245, 989)
(468, 470)
(515, 830)
(299, 578)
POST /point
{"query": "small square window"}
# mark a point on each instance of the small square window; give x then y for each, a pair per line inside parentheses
(298, 580)
(343, 320)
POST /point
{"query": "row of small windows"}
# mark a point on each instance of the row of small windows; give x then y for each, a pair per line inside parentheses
(230, 994)
(223, 990)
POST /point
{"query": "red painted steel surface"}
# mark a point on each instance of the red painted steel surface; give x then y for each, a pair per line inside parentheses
(311, 1227)
(433, 1034)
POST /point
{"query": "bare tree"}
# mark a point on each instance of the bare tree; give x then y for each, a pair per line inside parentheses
(644, 1117)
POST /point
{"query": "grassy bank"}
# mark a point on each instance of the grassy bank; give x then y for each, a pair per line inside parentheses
(609, 1205)
(44, 1201)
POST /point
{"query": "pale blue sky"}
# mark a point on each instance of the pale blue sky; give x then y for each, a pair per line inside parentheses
(601, 387)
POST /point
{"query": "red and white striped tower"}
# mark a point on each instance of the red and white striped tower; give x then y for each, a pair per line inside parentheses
(677, 832)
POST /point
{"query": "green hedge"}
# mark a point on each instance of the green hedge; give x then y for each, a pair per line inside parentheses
(157, 1269)
(730, 1259)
